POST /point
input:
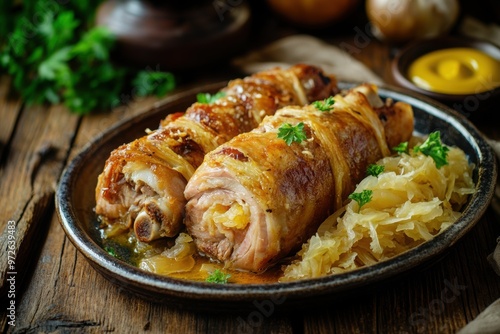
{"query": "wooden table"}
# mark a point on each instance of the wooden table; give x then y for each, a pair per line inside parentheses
(56, 290)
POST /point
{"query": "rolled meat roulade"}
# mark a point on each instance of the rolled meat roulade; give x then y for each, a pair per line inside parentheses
(258, 197)
(142, 184)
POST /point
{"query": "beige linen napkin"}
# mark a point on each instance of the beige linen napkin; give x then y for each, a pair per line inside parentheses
(474, 28)
(307, 49)
(310, 50)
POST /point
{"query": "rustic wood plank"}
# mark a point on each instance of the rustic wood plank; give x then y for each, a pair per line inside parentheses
(37, 153)
(95, 123)
(38, 148)
(350, 314)
(483, 285)
(36, 157)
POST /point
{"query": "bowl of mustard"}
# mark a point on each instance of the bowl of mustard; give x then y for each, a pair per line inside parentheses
(461, 72)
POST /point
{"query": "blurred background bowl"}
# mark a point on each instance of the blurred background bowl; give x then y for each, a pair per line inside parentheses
(176, 35)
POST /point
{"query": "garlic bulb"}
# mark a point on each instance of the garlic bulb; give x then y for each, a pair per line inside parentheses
(404, 20)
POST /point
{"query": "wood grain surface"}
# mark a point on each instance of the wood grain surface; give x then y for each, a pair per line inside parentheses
(57, 291)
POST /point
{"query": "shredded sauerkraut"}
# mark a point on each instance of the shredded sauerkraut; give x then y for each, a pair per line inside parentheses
(412, 201)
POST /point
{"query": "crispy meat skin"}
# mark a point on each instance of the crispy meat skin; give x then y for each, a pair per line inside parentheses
(282, 193)
(152, 171)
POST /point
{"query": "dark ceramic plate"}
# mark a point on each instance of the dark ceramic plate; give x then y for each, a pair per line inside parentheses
(75, 202)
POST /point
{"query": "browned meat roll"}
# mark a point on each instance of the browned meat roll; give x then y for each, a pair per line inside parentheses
(143, 182)
(256, 198)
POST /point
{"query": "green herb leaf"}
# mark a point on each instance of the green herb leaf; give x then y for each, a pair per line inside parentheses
(362, 198)
(58, 29)
(209, 98)
(290, 133)
(374, 169)
(401, 148)
(434, 148)
(96, 43)
(218, 277)
(326, 105)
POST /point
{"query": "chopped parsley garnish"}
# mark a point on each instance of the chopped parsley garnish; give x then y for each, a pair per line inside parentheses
(362, 198)
(401, 148)
(111, 251)
(374, 169)
(218, 277)
(434, 148)
(209, 98)
(325, 105)
(154, 83)
(292, 133)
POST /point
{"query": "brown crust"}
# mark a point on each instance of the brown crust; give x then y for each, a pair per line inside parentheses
(293, 187)
(201, 129)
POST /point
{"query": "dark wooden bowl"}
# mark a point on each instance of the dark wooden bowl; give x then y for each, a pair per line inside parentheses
(466, 104)
(175, 36)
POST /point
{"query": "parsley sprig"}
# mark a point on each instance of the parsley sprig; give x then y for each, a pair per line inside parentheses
(292, 133)
(434, 148)
(209, 98)
(326, 105)
(362, 198)
(401, 148)
(374, 169)
(218, 276)
(154, 83)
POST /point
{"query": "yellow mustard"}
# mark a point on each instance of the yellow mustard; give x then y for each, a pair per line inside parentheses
(455, 71)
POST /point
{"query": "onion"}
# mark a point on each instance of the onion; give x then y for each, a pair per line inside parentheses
(405, 20)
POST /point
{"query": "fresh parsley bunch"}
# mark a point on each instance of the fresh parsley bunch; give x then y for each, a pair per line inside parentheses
(54, 55)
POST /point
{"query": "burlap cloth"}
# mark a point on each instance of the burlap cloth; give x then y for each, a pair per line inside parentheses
(333, 59)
